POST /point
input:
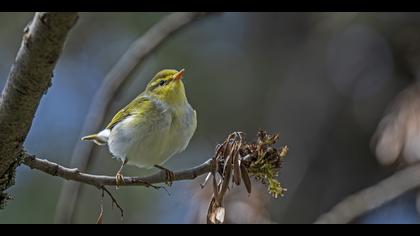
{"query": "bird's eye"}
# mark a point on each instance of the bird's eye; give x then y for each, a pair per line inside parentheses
(162, 82)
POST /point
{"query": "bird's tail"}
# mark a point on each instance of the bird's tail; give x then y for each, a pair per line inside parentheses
(95, 138)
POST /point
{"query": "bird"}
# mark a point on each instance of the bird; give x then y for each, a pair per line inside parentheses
(153, 127)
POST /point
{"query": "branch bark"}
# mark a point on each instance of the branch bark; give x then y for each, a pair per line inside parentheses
(99, 181)
(373, 197)
(134, 55)
(29, 78)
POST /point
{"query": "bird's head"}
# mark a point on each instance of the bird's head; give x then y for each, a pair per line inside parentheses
(167, 86)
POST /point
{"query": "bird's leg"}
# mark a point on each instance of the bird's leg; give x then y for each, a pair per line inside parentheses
(119, 177)
(170, 176)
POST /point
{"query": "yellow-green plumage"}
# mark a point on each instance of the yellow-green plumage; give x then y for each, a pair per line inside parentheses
(139, 105)
(154, 126)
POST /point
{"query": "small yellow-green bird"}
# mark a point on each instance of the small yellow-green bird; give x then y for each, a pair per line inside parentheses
(153, 127)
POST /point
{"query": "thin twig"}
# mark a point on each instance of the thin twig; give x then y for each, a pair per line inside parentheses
(101, 213)
(135, 54)
(372, 197)
(101, 181)
(114, 201)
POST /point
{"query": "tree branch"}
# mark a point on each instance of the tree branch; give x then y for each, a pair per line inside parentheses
(134, 55)
(373, 197)
(29, 78)
(99, 181)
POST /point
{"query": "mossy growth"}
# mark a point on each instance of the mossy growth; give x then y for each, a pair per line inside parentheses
(263, 161)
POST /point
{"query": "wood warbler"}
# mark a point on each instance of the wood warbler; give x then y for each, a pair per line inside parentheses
(153, 127)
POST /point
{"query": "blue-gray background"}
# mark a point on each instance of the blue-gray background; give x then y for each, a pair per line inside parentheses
(321, 80)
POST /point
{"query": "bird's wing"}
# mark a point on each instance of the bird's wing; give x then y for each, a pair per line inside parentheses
(139, 105)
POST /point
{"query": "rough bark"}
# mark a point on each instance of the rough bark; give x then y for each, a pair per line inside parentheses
(29, 78)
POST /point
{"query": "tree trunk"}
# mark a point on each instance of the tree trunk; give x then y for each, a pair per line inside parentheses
(29, 78)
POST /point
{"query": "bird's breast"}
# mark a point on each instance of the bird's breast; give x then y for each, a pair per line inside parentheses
(184, 126)
(149, 143)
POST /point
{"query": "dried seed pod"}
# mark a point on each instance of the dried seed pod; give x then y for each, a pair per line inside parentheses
(211, 212)
(225, 182)
(246, 179)
(215, 187)
(211, 215)
(215, 212)
(236, 168)
(220, 215)
(226, 151)
(240, 160)
(205, 180)
(229, 157)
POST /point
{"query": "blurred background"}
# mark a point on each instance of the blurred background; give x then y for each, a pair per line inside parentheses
(323, 81)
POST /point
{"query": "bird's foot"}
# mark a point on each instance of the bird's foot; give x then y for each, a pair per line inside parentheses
(119, 178)
(169, 175)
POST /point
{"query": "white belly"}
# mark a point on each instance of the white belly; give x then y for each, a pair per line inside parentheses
(145, 145)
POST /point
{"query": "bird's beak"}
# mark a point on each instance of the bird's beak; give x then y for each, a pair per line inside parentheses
(179, 75)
